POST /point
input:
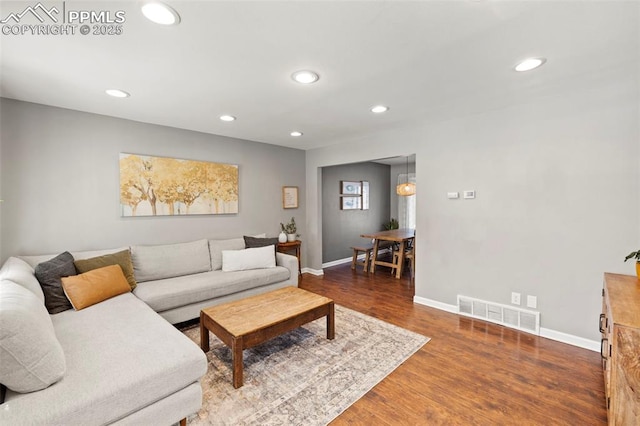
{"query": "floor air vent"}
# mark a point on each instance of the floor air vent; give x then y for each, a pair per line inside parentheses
(509, 316)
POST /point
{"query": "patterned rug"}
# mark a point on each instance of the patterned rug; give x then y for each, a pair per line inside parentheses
(301, 378)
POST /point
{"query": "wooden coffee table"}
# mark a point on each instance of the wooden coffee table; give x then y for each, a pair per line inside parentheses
(254, 320)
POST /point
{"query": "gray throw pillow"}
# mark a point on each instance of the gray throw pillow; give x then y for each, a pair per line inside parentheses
(254, 242)
(49, 276)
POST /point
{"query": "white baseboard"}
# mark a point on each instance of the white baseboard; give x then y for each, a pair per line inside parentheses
(435, 304)
(316, 272)
(570, 339)
(558, 336)
(349, 259)
(337, 262)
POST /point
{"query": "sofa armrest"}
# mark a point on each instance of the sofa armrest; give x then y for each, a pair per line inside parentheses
(291, 263)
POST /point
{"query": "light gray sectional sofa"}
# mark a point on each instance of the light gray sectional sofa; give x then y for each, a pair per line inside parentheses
(121, 361)
(178, 288)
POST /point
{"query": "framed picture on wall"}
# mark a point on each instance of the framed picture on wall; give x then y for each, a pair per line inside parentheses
(365, 195)
(290, 197)
(348, 187)
(350, 203)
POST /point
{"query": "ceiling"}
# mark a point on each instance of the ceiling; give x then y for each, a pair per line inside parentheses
(426, 60)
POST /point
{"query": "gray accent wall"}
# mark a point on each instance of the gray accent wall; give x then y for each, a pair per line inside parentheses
(342, 228)
(59, 179)
(557, 205)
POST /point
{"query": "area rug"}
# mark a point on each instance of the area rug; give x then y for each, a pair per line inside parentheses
(301, 378)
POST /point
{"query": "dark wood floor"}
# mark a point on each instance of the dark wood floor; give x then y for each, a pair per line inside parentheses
(471, 372)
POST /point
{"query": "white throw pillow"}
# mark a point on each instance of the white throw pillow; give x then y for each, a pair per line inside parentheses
(20, 272)
(31, 355)
(251, 258)
(216, 247)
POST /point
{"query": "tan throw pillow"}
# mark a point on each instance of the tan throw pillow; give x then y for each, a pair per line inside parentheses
(122, 258)
(95, 286)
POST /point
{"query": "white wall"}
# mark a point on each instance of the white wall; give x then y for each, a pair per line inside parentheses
(59, 179)
(558, 200)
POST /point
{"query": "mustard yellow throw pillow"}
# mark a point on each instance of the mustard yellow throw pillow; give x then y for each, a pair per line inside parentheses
(95, 286)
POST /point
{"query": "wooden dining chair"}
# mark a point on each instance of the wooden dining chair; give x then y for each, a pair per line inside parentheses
(409, 256)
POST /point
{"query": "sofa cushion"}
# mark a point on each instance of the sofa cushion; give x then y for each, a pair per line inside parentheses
(49, 276)
(122, 258)
(20, 272)
(34, 260)
(180, 291)
(251, 258)
(32, 358)
(216, 247)
(170, 260)
(104, 381)
(95, 286)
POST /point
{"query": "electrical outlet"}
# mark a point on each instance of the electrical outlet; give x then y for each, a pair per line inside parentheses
(532, 302)
(515, 298)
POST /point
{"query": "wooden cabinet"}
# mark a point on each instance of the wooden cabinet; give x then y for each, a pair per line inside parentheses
(620, 348)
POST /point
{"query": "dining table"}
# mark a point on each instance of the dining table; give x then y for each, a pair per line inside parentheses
(399, 236)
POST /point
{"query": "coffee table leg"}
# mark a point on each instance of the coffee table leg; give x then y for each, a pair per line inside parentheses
(204, 335)
(331, 323)
(236, 354)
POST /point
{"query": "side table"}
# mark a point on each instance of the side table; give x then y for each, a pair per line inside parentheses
(290, 247)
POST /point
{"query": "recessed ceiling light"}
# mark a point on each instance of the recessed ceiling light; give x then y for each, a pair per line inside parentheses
(227, 117)
(379, 108)
(529, 64)
(295, 134)
(305, 76)
(117, 93)
(160, 13)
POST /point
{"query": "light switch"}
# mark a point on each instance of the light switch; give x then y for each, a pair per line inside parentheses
(469, 194)
(452, 195)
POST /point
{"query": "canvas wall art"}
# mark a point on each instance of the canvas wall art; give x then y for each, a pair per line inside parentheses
(161, 186)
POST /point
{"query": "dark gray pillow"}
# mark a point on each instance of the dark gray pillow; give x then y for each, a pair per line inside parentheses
(49, 276)
(253, 242)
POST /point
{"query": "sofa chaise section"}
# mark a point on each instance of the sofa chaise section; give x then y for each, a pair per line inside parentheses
(120, 360)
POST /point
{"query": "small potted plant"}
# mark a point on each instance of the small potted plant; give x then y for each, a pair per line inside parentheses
(290, 229)
(635, 255)
(392, 224)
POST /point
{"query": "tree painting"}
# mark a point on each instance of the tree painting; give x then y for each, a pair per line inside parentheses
(160, 186)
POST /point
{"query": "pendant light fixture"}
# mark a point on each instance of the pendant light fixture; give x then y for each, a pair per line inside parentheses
(408, 188)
